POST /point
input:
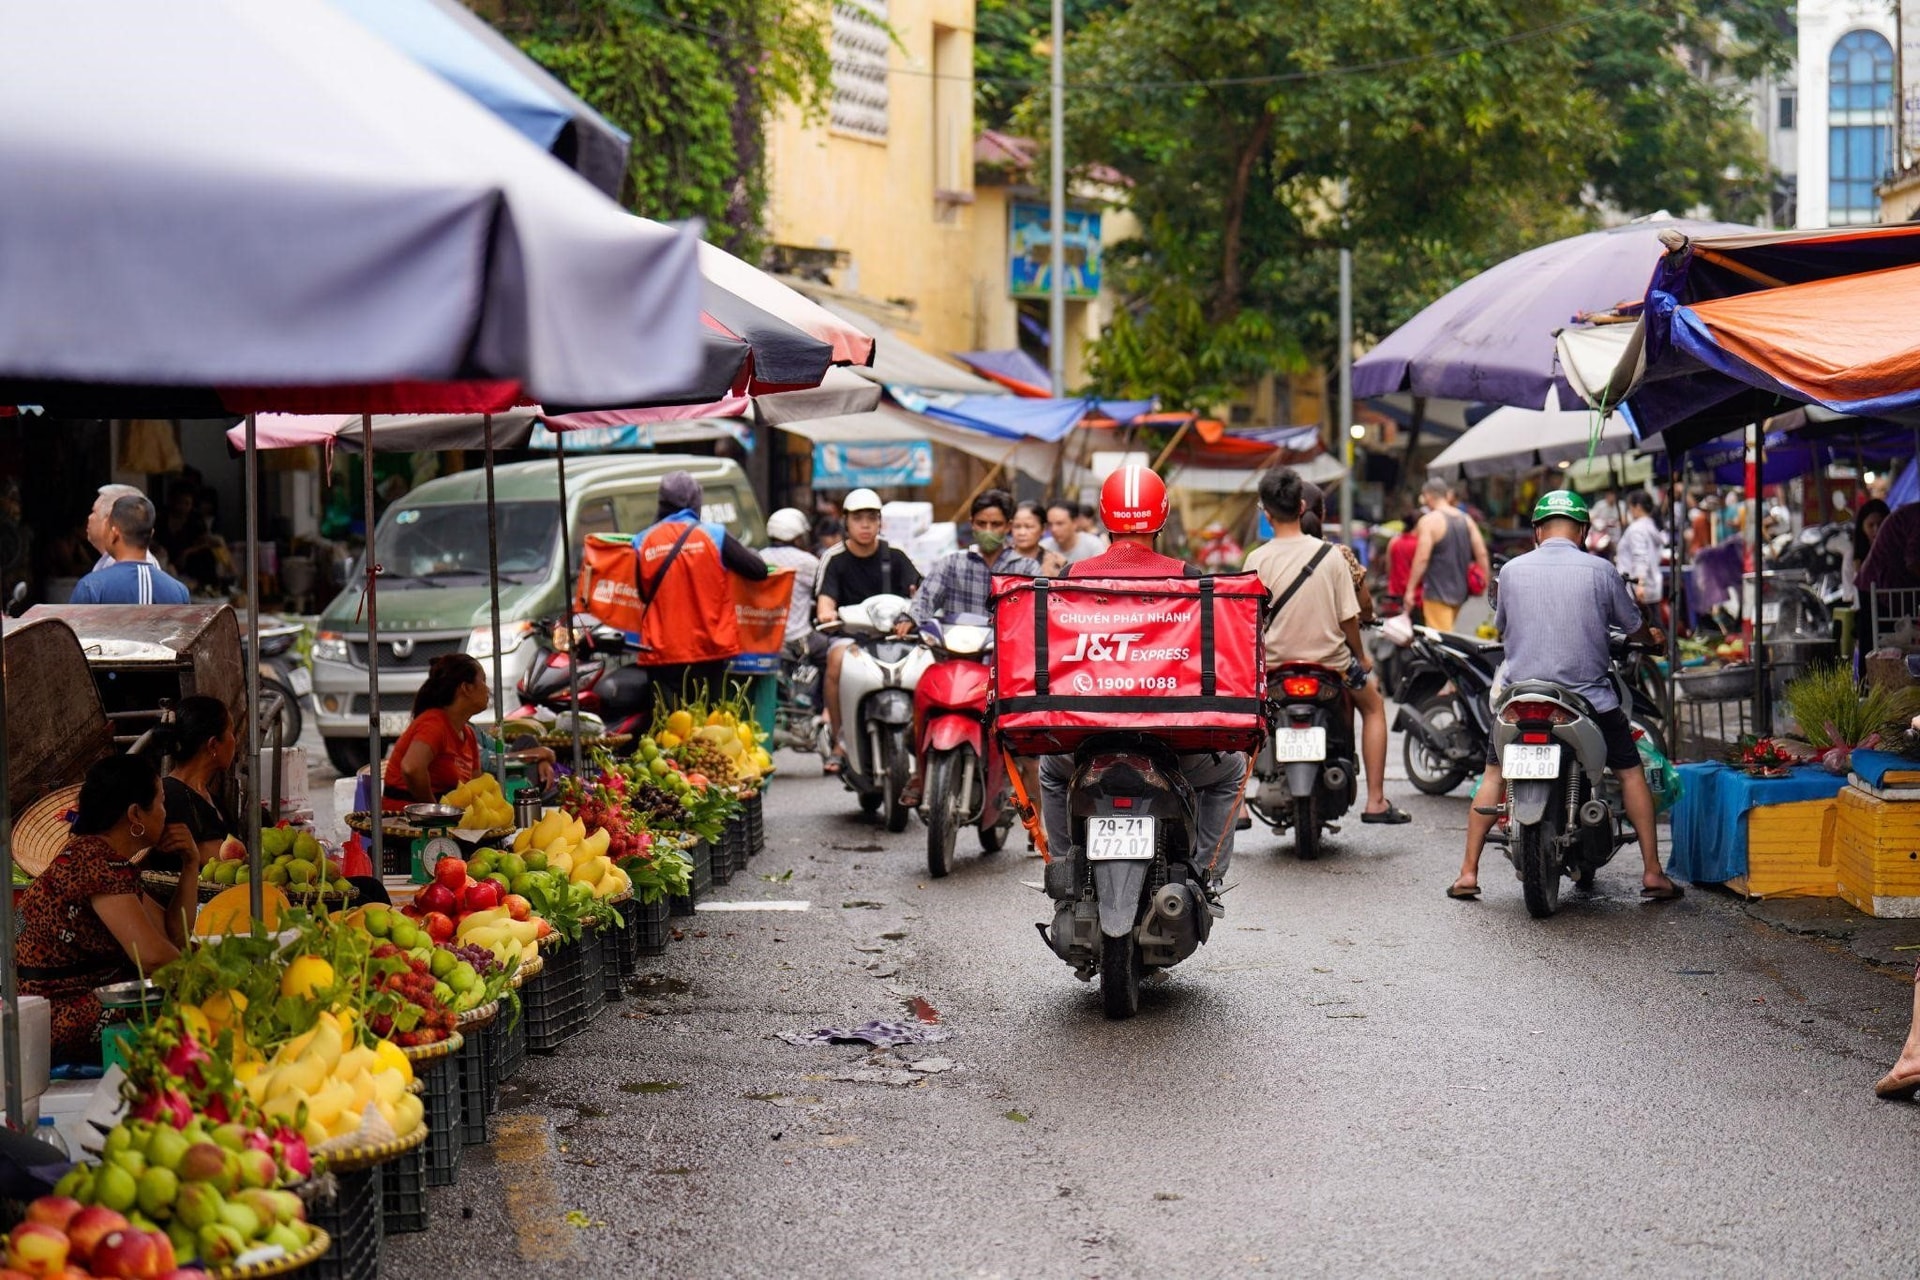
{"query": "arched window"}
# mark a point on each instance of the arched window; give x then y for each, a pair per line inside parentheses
(1860, 125)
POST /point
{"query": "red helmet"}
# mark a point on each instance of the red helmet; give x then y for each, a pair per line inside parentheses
(1133, 500)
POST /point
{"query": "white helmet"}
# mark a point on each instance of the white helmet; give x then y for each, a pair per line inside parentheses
(788, 524)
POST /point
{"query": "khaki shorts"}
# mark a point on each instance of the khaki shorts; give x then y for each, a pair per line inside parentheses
(1439, 616)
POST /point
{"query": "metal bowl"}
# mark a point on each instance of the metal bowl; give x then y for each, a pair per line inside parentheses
(433, 814)
(141, 993)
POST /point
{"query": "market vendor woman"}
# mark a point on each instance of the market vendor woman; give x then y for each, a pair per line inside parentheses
(440, 750)
(84, 922)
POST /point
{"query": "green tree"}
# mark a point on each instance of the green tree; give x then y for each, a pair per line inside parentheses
(694, 82)
(1011, 53)
(1434, 137)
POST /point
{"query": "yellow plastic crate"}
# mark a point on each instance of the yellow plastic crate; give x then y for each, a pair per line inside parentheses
(1790, 851)
(1878, 846)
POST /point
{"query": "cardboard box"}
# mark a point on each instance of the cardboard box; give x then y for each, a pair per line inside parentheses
(1877, 843)
(1791, 851)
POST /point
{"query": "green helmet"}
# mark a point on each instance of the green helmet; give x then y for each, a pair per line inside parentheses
(1562, 504)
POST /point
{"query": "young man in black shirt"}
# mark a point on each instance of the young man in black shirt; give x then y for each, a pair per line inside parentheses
(861, 567)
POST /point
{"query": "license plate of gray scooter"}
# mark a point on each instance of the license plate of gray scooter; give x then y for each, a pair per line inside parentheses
(1119, 839)
(1292, 746)
(1529, 762)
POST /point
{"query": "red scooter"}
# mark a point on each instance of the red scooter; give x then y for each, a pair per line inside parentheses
(620, 695)
(965, 773)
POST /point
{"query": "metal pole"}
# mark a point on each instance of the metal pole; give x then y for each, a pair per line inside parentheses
(1346, 392)
(1676, 564)
(376, 805)
(1757, 552)
(566, 570)
(493, 585)
(1057, 260)
(251, 789)
(9, 978)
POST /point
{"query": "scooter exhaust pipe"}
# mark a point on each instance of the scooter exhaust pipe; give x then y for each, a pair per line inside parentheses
(1594, 813)
(1335, 776)
(1171, 902)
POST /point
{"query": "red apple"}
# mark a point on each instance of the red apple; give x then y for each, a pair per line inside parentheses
(437, 897)
(439, 926)
(54, 1211)
(37, 1249)
(480, 897)
(131, 1255)
(450, 873)
(90, 1226)
(517, 907)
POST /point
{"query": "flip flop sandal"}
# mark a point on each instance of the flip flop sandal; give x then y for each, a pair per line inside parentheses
(1671, 893)
(1896, 1090)
(1458, 894)
(834, 765)
(1389, 816)
(912, 794)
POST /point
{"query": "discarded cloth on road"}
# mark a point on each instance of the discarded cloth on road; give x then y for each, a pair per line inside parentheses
(879, 1034)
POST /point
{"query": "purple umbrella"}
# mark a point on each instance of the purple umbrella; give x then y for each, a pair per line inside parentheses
(1491, 339)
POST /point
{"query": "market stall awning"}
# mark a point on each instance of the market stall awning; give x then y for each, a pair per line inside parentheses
(1511, 441)
(1013, 369)
(1492, 338)
(244, 198)
(1019, 417)
(898, 362)
(1322, 469)
(891, 424)
(448, 39)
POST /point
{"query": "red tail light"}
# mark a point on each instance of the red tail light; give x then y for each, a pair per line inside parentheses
(1300, 686)
(1535, 713)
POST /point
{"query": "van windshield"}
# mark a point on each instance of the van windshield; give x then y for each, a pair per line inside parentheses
(445, 543)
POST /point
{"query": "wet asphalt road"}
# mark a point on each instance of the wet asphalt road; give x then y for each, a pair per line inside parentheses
(1356, 1077)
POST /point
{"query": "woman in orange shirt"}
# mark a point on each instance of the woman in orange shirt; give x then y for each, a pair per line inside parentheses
(440, 750)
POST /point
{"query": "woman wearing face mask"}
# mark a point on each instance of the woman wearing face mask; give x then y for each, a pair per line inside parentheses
(1028, 527)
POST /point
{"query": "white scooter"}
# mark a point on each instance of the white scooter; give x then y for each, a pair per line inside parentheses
(877, 680)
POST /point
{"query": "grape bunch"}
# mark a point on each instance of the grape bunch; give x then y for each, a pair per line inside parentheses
(485, 963)
(656, 802)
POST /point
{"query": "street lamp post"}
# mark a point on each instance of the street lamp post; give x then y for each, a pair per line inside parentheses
(1057, 259)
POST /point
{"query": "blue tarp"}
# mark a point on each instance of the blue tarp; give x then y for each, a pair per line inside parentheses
(1011, 366)
(1023, 418)
(1906, 488)
(1710, 821)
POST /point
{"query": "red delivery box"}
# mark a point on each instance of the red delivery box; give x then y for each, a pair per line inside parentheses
(1178, 658)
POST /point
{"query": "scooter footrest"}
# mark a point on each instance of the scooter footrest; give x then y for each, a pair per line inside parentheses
(1490, 810)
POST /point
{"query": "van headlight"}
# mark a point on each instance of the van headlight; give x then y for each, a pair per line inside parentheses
(330, 646)
(512, 636)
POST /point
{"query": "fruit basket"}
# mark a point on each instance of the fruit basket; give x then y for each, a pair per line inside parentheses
(437, 1068)
(371, 1155)
(476, 1029)
(280, 1266)
(599, 742)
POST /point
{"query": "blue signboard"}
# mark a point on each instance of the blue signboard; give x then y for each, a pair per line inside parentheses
(873, 465)
(1030, 244)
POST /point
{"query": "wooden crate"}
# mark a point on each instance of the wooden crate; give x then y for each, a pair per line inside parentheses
(1790, 851)
(1878, 846)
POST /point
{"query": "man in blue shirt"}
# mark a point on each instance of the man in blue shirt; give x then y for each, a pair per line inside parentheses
(131, 578)
(1557, 606)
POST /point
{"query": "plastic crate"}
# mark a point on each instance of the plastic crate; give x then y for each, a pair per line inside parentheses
(471, 1068)
(506, 1049)
(757, 822)
(353, 1220)
(550, 1002)
(734, 841)
(720, 858)
(594, 945)
(440, 1078)
(403, 1190)
(647, 932)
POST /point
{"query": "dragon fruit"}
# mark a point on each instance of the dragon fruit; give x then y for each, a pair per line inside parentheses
(168, 1106)
(185, 1058)
(290, 1149)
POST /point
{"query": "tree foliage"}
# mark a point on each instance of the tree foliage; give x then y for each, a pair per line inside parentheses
(1433, 137)
(694, 82)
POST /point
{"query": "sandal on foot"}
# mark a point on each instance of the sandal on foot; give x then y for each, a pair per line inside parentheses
(1666, 893)
(912, 794)
(1389, 816)
(834, 765)
(1894, 1089)
(1463, 893)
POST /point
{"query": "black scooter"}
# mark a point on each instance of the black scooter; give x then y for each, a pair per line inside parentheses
(1445, 707)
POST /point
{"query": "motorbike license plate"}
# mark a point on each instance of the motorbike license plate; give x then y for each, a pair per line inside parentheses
(1769, 613)
(1119, 839)
(300, 680)
(1528, 762)
(1293, 745)
(394, 723)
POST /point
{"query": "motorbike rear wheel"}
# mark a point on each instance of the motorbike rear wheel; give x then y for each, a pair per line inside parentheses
(277, 697)
(1539, 858)
(994, 838)
(1432, 773)
(1306, 828)
(1120, 974)
(896, 764)
(945, 805)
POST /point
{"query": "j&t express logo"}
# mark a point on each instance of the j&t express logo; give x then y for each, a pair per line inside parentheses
(1119, 646)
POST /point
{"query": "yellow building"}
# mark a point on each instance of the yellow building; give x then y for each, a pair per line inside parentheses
(877, 200)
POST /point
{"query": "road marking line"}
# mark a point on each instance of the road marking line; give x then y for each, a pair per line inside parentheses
(777, 905)
(526, 1167)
